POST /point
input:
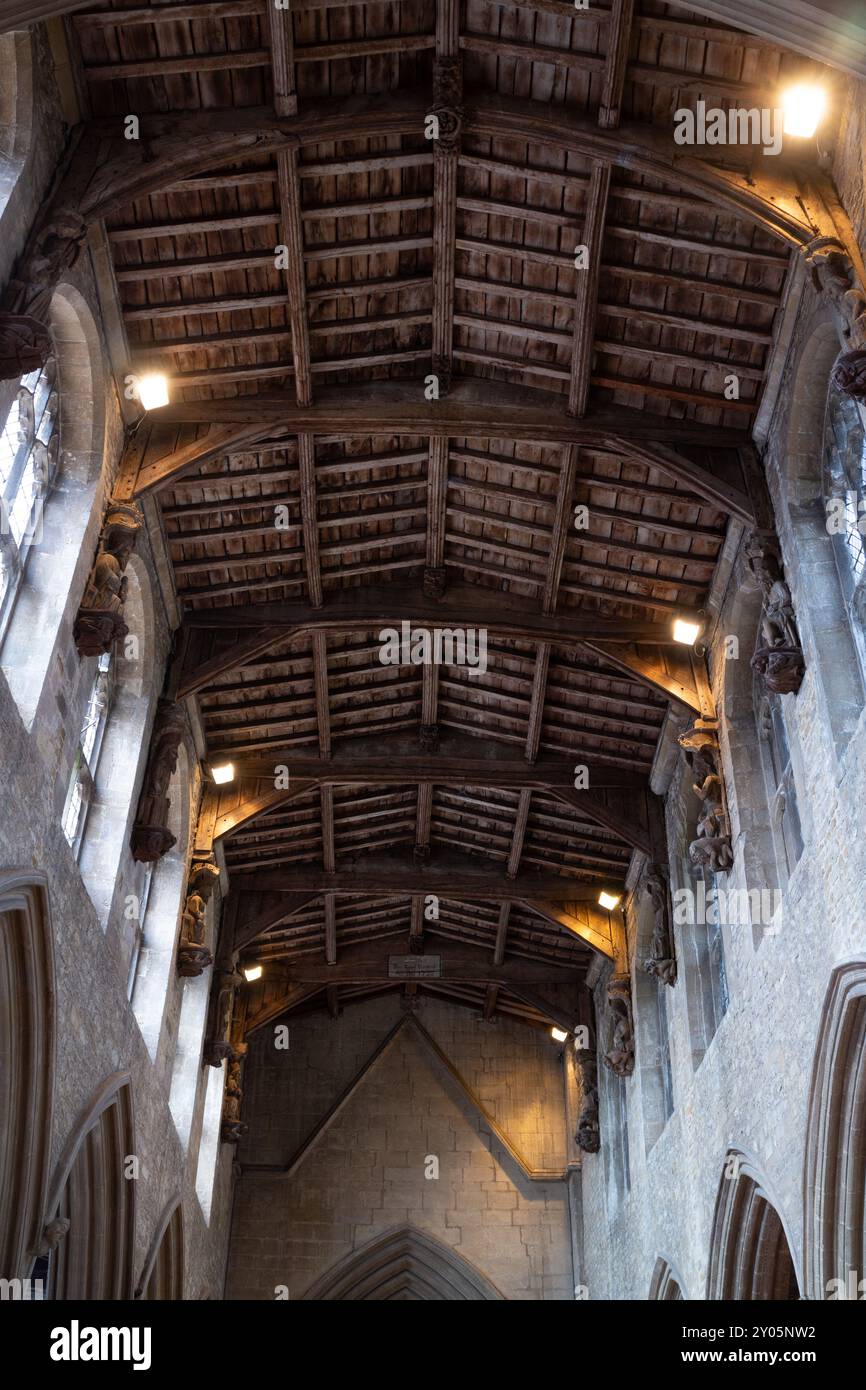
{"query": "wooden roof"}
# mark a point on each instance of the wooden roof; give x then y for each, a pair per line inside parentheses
(405, 261)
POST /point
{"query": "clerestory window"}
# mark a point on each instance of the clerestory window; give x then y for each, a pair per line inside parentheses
(28, 467)
(83, 781)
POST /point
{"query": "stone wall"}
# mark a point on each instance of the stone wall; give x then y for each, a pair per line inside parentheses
(743, 1083)
(365, 1173)
(44, 686)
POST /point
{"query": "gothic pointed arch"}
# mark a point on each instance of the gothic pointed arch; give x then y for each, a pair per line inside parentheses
(666, 1286)
(834, 1178)
(92, 1200)
(404, 1265)
(27, 1028)
(750, 1253)
(162, 1275)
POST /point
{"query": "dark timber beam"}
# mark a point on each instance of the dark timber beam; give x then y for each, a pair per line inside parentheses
(482, 409)
(253, 629)
(369, 964)
(447, 876)
(459, 761)
(420, 772)
(104, 173)
(251, 925)
(177, 146)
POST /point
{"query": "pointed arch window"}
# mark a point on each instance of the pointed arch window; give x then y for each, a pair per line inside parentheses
(83, 781)
(29, 450)
(779, 779)
(844, 484)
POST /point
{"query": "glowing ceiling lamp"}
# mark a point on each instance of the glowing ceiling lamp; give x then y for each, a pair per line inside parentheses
(222, 773)
(804, 106)
(252, 972)
(558, 1035)
(153, 390)
(609, 900)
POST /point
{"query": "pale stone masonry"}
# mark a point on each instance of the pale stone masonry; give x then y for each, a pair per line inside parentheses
(365, 1174)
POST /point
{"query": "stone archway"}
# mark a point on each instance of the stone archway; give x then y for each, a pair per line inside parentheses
(666, 1286)
(93, 1197)
(834, 1179)
(27, 1025)
(750, 1257)
(162, 1276)
(405, 1265)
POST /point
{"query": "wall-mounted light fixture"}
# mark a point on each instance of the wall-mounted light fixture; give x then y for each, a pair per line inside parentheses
(153, 390)
(252, 972)
(686, 632)
(609, 900)
(558, 1035)
(804, 106)
(222, 773)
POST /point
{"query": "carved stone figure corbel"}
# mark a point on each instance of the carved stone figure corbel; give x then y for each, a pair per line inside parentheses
(778, 659)
(151, 837)
(711, 849)
(53, 1232)
(193, 956)
(233, 1128)
(218, 1045)
(99, 621)
(588, 1135)
(661, 961)
(835, 276)
(447, 104)
(619, 1057)
(25, 344)
(52, 250)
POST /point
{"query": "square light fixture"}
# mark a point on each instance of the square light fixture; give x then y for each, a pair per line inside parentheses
(222, 773)
(252, 972)
(609, 900)
(686, 632)
(558, 1035)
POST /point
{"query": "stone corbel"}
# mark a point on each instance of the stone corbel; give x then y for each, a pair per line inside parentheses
(99, 620)
(53, 1232)
(218, 1046)
(25, 345)
(711, 848)
(151, 837)
(835, 276)
(619, 1057)
(193, 956)
(661, 961)
(52, 250)
(778, 659)
(232, 1127)
(587, 1135)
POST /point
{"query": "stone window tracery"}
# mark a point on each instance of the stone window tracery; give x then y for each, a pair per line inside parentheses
(29, 450)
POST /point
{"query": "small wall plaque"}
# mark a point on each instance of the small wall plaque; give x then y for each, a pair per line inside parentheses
(414, 967)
